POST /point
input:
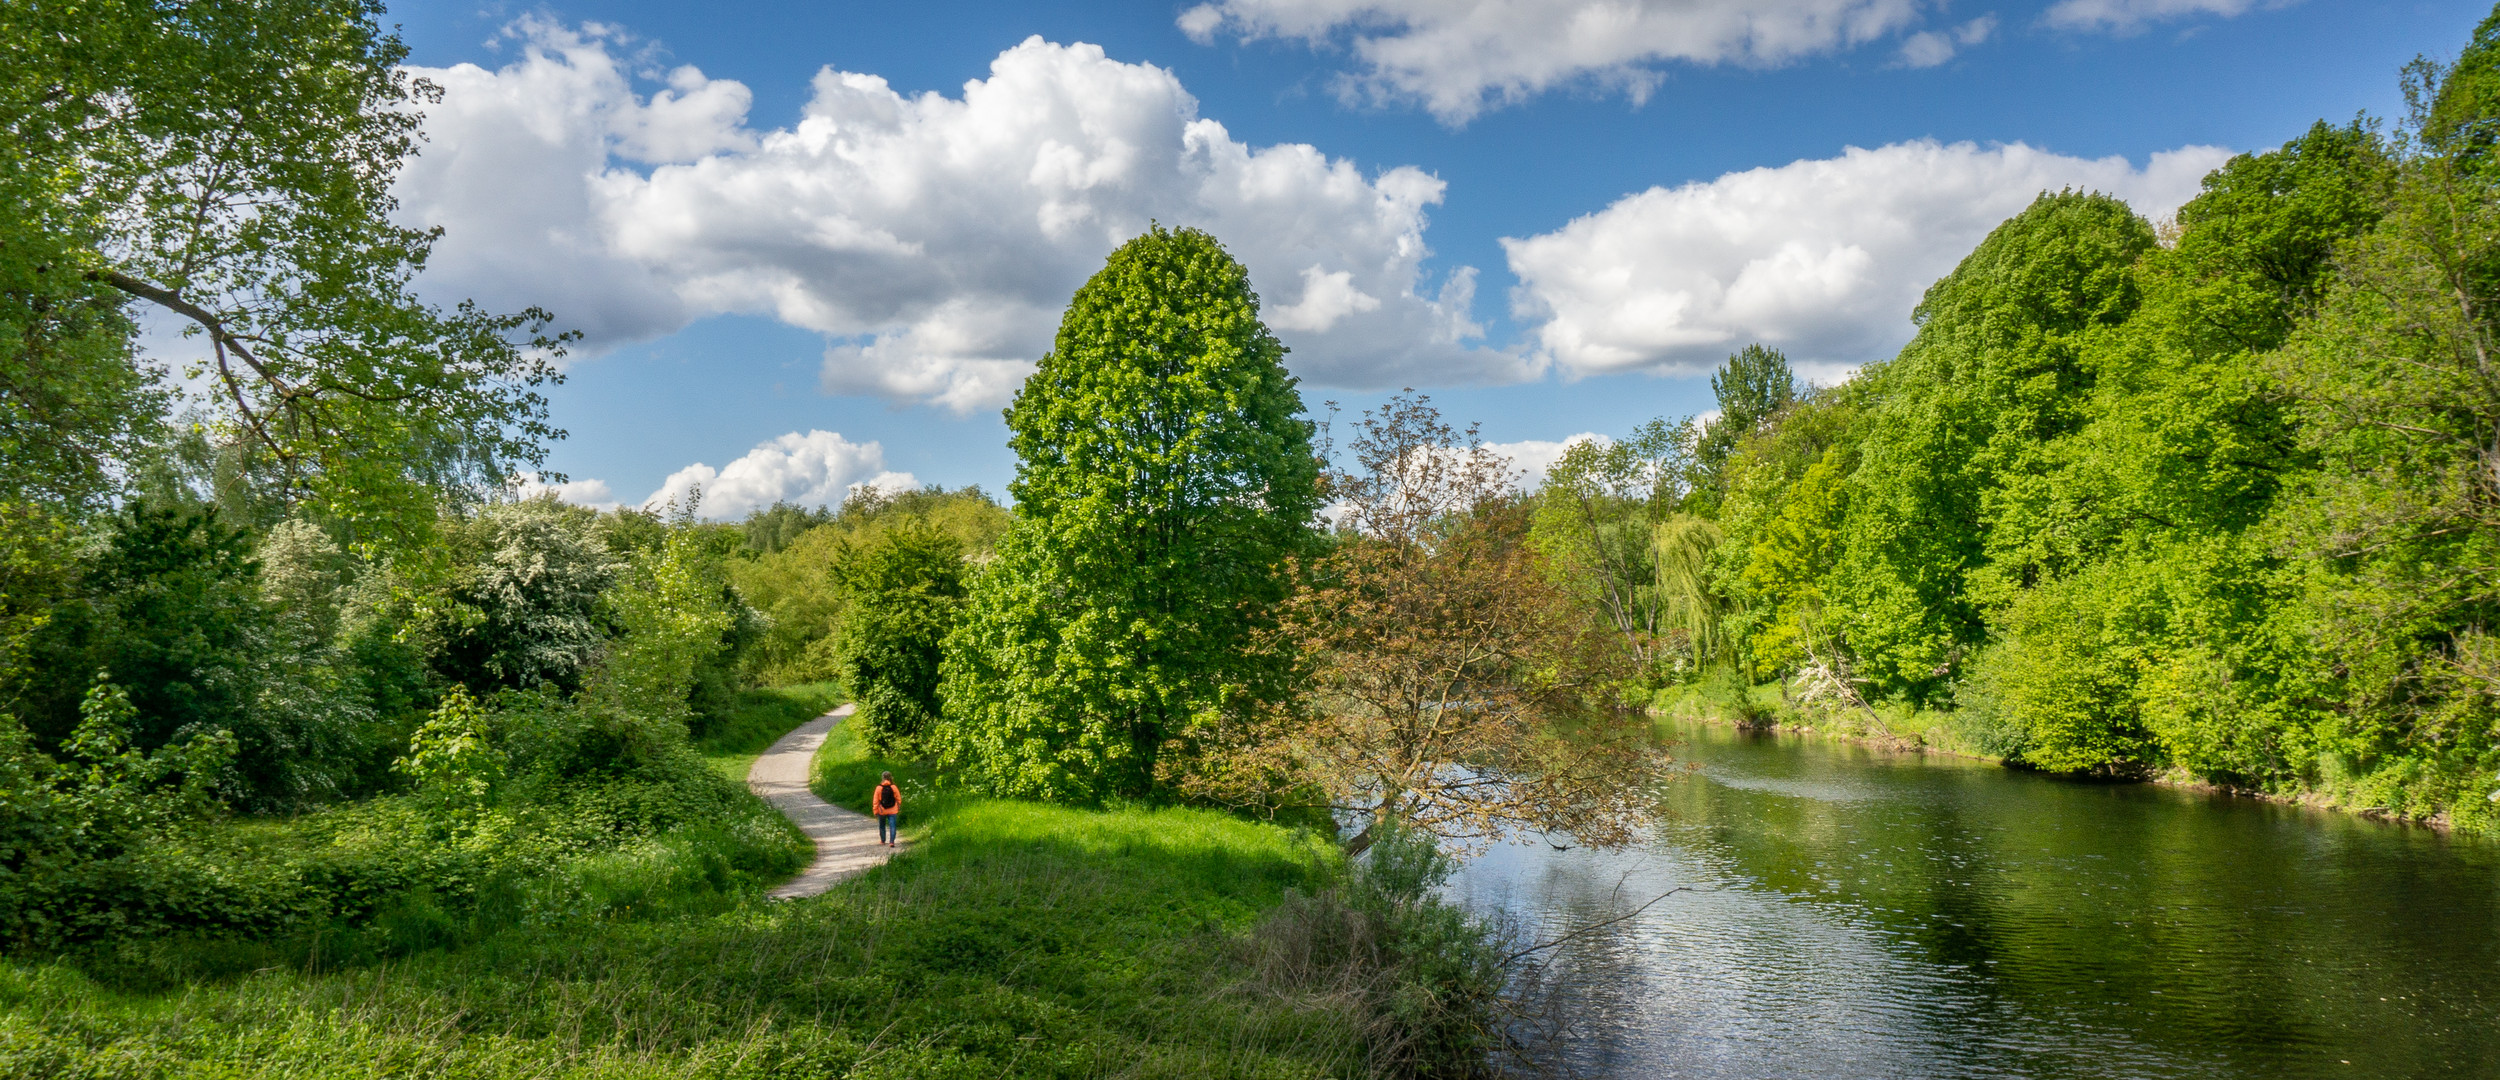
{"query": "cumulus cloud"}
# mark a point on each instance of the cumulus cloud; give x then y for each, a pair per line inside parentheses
(1533, 457)
(1823, 259)
(2126, 16)
(818, 468)
(1459, 58)
(1928, 48)
(933, 240)
(509, 169)
(584, 492)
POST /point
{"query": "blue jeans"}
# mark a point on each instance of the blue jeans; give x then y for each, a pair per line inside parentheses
(889, 826)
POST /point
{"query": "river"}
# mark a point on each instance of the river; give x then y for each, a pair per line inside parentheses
(1858, 913)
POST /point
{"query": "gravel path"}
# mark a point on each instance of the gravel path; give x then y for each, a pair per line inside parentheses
(846, 843)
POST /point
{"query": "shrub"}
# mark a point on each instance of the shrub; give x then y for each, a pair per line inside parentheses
(906, 584)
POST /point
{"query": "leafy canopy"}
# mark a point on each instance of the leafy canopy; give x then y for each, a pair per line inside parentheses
(1163, 475)
(228, 163)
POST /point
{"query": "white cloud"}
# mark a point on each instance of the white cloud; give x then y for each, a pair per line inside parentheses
(1460, 57)
(509, 165)
(818, 468)
(2127, 16)
(1823, 259)
(932, 239)
(1532, 457)
(584, 492)
(1928, 48)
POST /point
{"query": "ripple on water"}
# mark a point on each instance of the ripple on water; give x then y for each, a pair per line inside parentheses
(1858, 915)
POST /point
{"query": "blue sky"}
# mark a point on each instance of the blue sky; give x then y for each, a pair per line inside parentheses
(758, 295)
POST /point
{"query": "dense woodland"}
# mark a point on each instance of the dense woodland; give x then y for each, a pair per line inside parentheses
(289, 667)
(2209, 498)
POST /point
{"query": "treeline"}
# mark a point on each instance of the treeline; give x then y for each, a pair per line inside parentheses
(2213, 497)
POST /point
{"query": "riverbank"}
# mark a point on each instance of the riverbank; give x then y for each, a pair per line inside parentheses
(1903, 729)
(1014, 940)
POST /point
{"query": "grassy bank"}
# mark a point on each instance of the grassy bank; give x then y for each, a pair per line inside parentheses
(1889, 725)
(1013, 940)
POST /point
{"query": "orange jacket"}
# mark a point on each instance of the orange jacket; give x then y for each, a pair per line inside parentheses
(887, 799)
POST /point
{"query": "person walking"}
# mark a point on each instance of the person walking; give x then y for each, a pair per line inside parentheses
(887, 803)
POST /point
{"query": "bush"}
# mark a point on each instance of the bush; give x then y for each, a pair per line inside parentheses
(1424, 978)
(169, 603)
(519, 814)
(907, 585)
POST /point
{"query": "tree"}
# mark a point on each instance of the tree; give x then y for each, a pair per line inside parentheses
(521, 599)
(906, 586)
(2396, 381)
(1164, 475)
(1595, 516)
(1752, 386)
(2457, 113)
(2150, 614)
(674, 611)
(169, 607)
(1454, 686)
(1959, 429)
(229, 163)
(799, 586)
(771, 529)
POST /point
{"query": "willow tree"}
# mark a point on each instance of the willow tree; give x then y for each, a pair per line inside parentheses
(1164, 475)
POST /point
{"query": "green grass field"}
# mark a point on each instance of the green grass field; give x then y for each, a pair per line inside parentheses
(1013, 940)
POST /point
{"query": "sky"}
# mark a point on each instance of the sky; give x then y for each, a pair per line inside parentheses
(815, 245)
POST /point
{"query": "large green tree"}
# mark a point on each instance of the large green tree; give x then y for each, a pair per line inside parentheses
(1164, 476)
(1960, 427)
(2159, 621)
(1752, 386)
(226, 164)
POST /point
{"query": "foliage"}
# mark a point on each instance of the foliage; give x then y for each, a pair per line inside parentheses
(1593, 525)
(1957, 433)
(169, 603)
(798, 587)
(1680, 549)
(907, 585)
(2216, 503)
(968, 514)
(773, 528)
(230, 164)
(521, 600)
(452, 757)
(1163, 478)
(676, 613)
(1450, 676)
(72, 833)
(1752, 386)
(522, 813)
(1428, 974)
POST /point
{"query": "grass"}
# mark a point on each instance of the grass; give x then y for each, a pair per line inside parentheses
(1012, 940)
(761, 717)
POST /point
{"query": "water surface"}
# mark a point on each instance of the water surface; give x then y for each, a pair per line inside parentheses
(1858, 913)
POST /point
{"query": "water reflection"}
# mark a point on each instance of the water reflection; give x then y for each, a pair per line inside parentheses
(1865, 914)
